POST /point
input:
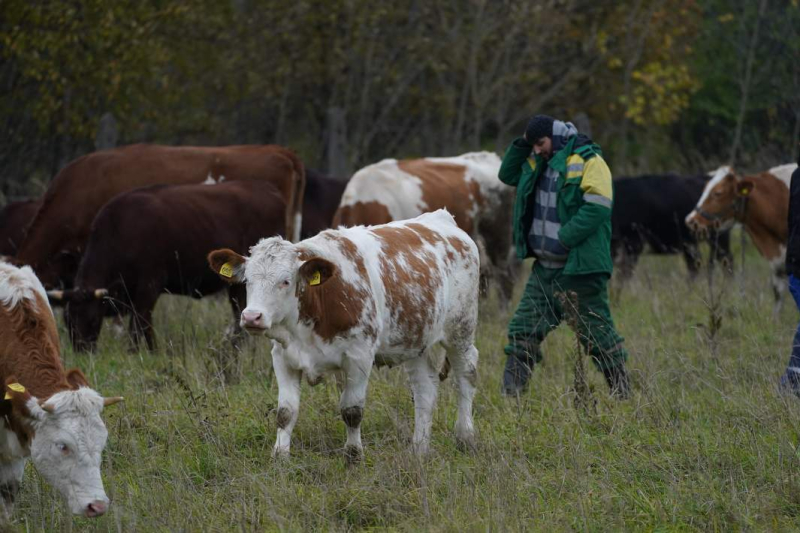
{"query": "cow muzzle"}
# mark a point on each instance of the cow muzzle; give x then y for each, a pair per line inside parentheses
(254, 321)
(95, 509)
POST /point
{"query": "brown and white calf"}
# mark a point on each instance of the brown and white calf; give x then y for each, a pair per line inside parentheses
(350, 298)
(760, 203)
(49, 415)
(465, 185)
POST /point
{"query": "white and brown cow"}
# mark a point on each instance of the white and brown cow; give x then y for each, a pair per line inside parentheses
(350, 298)
(49, 415)
(466, 185)
(760, 203)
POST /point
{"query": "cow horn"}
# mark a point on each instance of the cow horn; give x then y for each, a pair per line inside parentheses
(112, 400)
(55, 296)
(100, 293)
(50, 408)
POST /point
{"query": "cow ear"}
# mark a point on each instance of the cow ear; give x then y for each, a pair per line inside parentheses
(76, 379)
(316, 271)
(745, 187)
(20, 399)
(227, 264)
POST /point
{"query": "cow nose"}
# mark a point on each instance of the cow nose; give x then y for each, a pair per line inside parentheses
(96, 508)
(252, 318)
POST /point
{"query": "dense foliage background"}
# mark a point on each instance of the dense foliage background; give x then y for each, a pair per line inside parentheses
(663, 85)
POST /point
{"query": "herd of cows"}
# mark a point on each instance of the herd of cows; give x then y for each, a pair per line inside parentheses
(416, 243)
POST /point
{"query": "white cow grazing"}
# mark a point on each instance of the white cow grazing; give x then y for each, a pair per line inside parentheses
(48, 414)
(349, 298)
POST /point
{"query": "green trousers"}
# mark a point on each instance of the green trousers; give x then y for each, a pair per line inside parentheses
(540, 311)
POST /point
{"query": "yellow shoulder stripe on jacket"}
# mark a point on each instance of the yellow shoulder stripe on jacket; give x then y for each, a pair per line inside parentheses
(596, 182)
(575, 166)
(532, 163)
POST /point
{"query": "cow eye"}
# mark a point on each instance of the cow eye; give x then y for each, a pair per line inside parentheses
(63, 448)
(285, 283)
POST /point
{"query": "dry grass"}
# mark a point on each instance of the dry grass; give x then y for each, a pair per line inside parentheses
(705, 443)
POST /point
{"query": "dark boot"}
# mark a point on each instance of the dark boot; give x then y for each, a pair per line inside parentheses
(516, 375)
(618, 382)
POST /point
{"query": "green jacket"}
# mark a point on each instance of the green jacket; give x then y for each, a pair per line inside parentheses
(584, 202)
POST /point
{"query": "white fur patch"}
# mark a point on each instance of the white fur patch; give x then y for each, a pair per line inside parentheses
(386, 184)
(84, 401)
(784, 172)
(717, 176)
(17, 284)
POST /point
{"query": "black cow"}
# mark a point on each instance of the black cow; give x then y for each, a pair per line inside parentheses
(14, 220)
(650, 210)
(155, 240)
(320, 201)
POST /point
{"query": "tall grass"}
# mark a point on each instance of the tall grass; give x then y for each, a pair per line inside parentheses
(705, 443)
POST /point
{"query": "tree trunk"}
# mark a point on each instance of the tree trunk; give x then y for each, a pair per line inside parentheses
(748, 78)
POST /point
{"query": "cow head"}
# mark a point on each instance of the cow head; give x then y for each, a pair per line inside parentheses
(83, 313)
(275, 275)
(67, 440)
(721, 202)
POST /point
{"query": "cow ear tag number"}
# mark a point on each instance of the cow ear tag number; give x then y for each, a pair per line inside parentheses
(226, 270)
(16, 387)
(316, 278)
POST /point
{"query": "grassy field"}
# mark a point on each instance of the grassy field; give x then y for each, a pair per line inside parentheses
(705, 443)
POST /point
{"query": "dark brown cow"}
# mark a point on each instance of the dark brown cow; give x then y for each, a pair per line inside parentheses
(466, 185)
(320, 201)
(760, 203)
(155, 240)
(57, 237)
(48, 414)
(14, 220)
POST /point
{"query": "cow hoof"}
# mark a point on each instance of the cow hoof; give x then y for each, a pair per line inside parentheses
(353, 455)
(466, 444)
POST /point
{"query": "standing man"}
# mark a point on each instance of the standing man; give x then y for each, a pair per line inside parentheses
(790, 381)
(562, 217)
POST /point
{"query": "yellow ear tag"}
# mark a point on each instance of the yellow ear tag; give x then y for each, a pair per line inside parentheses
(745, 192)
(226, 270)
(316, 278)
(16, 387)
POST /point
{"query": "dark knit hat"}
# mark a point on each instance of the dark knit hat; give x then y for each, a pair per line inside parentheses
(539, 126)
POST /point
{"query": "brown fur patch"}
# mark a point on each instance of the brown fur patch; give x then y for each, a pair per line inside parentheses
(362, 213)
(766, 212)
(444, 186)
(410, 291)
(29, 355)
(335, 306)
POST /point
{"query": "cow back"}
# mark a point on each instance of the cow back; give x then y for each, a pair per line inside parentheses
(159, 236)
(84, 186)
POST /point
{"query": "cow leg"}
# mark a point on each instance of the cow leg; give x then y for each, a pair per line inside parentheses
(288, 400)
(351, 405)
(237, 295)
(693, 258)
(465, 371)
(424, 379)
(141, 323)
(141, 326)
(11, 474)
